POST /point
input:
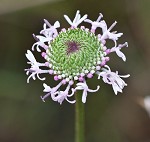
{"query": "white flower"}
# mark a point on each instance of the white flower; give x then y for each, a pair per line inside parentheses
(82, 63)
(83, 86)
(60, 96)
(113, 79)
(41, 40)
(110, 35)
(50, 91)
(118, 52)
(34, 70)
(96, 23)
(51, 31)
(77, 20)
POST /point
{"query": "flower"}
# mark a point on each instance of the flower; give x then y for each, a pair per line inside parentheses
(51, 31)
(40, 42)
(95, 24)
(113, 79)
(74, 55)
(83, 86)
(110, 35)
(58, 96)
(118, 52)
(62, 95)
(77, 20)
(34, 70)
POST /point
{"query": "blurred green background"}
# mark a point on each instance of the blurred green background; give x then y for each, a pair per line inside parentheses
(109, 118)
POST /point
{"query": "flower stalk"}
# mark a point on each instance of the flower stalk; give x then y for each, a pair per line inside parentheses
(79, 119)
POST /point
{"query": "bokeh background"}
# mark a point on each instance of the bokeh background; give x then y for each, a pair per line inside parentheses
(109, 118)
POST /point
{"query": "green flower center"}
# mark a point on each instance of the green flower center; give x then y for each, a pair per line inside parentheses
(74, 52)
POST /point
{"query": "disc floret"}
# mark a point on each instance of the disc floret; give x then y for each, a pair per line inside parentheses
(75, 54)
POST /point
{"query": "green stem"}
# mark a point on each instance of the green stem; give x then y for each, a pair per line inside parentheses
(79, 119)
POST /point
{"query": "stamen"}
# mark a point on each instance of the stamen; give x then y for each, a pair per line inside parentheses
(34, 36)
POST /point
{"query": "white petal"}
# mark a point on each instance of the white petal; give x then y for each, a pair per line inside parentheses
(121, 55)
(77, 16)
(71, 102)
(81, 84)
(88, 21)
(29, 78)
(114, 36)
(44, 28)
(79, 88)
(82, 19)
(72, 93)
(56, 24)
(90, 90)
(84, 95)
(68, 19)
(104, 26)
(99, 17)
(46, 88)
(35, 44)
(116, 88)
(107, 67)
(47, 23)
(112, 25)
(125, 76)
(40, 77)
(30, 56)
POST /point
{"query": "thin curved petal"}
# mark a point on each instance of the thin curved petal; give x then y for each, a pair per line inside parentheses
(121, 55)
(71, 102)
(90, 90)
(84, 95)
(88, 20)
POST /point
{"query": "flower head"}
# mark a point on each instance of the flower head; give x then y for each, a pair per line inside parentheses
(74, 55)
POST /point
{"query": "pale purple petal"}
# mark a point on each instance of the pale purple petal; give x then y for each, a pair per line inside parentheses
(90, 90)
(30, 56)
(68, 19)
(121, 55)
(76, 20)
(84, 95)
(77, 16)
(46, 88)
(113, 79)
(56, 24)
